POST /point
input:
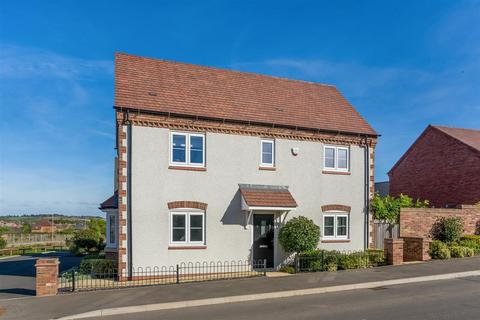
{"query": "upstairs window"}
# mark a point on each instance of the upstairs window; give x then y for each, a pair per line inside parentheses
(187, 149)
(336, 158)
(267, 153)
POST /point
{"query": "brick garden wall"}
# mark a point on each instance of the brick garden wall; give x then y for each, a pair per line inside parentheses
(418, 222)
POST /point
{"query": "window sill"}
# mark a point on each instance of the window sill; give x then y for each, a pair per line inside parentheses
(345, 173)
(187, 247)
(187, 168)
(336, 241)
(267, 168)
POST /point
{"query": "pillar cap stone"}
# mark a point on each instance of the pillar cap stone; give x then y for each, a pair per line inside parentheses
(392, 240)
(47, 261)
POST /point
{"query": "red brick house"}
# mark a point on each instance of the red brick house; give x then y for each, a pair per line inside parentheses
(442, 166)
(44, 226)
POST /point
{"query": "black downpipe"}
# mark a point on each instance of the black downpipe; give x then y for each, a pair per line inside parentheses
(367, 193)
(129, 200)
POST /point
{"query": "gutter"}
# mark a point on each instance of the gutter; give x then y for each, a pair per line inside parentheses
(245, 122)
(367, 194)
(129, 199)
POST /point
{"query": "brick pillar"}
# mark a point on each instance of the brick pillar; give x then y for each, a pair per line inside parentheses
(425, 249)
(393, 249)
(46, 282)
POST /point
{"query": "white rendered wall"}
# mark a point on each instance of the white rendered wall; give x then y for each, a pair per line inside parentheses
(230, 160)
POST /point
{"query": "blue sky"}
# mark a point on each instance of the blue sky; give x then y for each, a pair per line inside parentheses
(402, 64)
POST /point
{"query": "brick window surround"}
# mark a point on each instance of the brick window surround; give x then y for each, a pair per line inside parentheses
(187, 204)
(336, 207)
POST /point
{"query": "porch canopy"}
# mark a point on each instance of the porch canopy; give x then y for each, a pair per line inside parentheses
(266, 197)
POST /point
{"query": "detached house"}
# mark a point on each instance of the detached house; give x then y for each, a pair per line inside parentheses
(442, 166)
(212, 162)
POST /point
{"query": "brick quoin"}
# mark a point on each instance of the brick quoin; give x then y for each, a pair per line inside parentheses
(438, 168)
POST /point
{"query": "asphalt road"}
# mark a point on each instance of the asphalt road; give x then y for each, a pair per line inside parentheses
(17, 274)
(447, 299)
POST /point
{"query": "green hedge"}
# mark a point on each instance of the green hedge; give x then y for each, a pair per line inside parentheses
(324, 260)
(97, 266)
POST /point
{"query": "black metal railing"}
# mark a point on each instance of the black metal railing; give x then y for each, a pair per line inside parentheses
(323, 260)
(75, 280)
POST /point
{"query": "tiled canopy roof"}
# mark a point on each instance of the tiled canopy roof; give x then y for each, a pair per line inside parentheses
(267, 196)
(110, 203)
(184, 89)
(469, 137)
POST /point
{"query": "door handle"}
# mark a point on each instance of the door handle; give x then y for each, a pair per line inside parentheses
(263, 246)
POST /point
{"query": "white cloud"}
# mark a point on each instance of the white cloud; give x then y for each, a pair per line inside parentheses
(22, 62)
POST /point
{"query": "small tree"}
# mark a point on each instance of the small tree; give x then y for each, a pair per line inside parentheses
(299, 234)
(448, 230)
(85, 241)
(4, 230)
(98, 225)
(388, 207)
(26, 228)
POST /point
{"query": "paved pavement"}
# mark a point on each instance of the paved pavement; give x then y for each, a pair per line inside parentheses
(68, 304)
(17, 274)
(447, 299)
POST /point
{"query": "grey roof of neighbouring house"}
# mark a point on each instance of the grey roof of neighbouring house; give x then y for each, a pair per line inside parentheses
(110, 203)
(382, 188)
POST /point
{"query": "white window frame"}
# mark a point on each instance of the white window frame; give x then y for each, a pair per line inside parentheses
(111, 244)
(335, 215)
(187, 213)
(272, 142)
(187, 162)
(336, 168)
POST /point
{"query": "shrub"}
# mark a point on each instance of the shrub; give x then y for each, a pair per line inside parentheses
(472, 244)
(299, 234)
(457, 252)
(448, 229)
(439, 250)
(376, 257)
(287, 269)
(97, 266)
(335, 260)
(468, 252)
(331, 263)
(3, 243)
(354, 260)
(472, 237)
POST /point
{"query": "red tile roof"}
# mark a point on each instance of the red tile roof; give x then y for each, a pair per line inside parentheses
(267, 196)
(43, 223)
(185, 89)
(469, 137)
